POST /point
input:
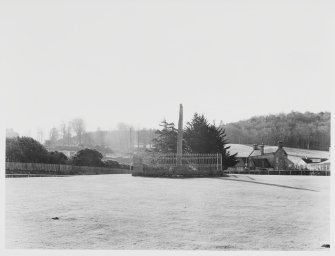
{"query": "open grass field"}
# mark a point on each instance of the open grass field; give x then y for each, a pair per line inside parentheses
(240, 212)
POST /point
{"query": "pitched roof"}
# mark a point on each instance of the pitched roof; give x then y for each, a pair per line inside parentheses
(240, 149)
(256, 152)
(246, 150)
(307, 153)
(296, 160)
(318, 164)
(270, 149)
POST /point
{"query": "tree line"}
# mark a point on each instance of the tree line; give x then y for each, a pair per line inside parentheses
(122, 139)
(301, 130)
(298, 130)
(28, 150)
(199, 137)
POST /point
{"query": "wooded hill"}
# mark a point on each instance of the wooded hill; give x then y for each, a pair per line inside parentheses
(298, 130)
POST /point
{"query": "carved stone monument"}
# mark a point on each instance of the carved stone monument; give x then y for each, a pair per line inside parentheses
(180, 136)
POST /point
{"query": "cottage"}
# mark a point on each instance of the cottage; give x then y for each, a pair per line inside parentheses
(242, 154)
(277, 157)
(270, 157)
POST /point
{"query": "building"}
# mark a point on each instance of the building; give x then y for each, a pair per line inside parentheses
(270, 158)
(242, 154)
(278, 157)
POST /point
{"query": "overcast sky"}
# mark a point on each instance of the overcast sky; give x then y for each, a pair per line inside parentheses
(135, 61)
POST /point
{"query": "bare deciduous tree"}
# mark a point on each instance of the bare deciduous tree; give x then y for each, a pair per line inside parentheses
(40, 136)
(68, 135)
(100, 137)
(78, 126)
(54, 135)
(63, 131)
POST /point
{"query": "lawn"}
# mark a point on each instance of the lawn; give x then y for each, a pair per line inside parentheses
(241, 212)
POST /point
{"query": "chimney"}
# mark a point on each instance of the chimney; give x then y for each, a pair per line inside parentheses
(255, 146)
(262, 149)
(280, 144)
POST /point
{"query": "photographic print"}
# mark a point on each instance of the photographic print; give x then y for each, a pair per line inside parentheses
(201, 126)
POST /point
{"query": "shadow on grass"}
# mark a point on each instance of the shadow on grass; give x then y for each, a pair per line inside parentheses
(226, 177)
(262, 183)
(179, 176)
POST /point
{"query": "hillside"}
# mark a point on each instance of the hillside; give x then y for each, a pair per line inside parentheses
(297, 130)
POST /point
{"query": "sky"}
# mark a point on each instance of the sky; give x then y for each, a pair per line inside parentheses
(134, 62)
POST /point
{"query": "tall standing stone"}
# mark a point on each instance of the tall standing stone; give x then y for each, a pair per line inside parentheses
(180, 136)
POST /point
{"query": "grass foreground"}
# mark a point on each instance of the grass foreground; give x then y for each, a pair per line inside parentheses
(239, 212)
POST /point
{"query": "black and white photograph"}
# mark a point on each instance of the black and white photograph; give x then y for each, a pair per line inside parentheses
(167, 126)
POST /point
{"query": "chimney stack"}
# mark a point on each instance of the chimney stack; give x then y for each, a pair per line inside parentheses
(280, 144)
(262, 148)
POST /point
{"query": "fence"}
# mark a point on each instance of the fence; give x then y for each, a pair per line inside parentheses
(264, 171)
(14, 168)
(188, 164)
(318, 167)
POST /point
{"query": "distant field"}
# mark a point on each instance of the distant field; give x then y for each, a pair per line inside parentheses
(242, 212)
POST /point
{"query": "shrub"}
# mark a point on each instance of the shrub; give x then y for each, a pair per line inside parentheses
(88, 157)
(57, 158)
(25, 150)
(112, 164)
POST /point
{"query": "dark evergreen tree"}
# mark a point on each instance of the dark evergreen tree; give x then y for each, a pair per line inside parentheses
(57, 158)
(112, 164)
(88, 157)
(166, 138)
(203, 137)
(25, 150)
(28, 150)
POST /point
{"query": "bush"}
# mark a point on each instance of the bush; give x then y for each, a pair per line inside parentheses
(112, 164)
(28, 150)
(25, 150)
(88, 157)
(57, 158)
(125, 166)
